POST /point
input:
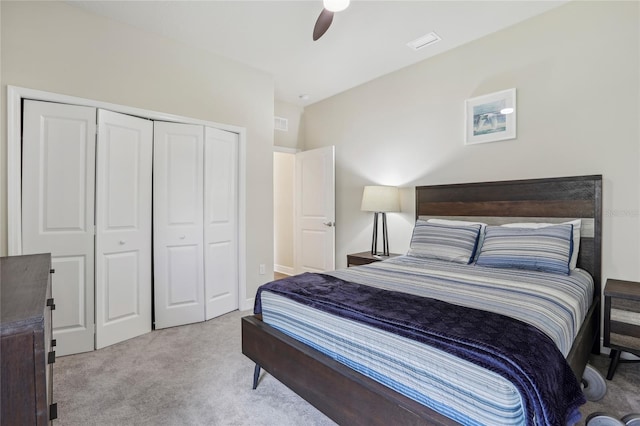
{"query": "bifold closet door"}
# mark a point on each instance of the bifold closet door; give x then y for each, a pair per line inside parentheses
(58, 183)
(178, 224)
(123, 227)
(220, 221)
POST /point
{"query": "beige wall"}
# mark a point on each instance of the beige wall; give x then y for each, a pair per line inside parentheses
(283, 167)
(293, 138)
(577, 78)
(58, 48)
(283, 176)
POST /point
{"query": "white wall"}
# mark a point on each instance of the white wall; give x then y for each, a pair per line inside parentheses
(577, 77)
(55, 47)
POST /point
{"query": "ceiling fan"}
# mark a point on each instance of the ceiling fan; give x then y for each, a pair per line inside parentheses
(326, 16)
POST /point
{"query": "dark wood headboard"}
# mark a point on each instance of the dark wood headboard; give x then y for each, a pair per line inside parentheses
(532, 200)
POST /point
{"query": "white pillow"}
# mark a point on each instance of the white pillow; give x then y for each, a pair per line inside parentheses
(576, 235)
(483, 227)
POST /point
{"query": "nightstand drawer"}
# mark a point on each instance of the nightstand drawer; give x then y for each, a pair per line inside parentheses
(624, 323)
(625, 340)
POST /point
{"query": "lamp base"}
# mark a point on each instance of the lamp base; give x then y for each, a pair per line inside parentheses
(385, 240)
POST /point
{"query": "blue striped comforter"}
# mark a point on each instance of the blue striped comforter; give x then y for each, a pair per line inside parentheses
(555, 304)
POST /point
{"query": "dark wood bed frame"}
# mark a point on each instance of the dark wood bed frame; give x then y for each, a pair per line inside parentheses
(350, 398)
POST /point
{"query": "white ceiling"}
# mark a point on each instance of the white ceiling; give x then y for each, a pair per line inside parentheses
(364, 42)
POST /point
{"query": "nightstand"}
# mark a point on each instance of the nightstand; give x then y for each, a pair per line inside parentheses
(364, 258)
(621, 320)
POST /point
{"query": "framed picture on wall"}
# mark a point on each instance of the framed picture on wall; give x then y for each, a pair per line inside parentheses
(490, 118)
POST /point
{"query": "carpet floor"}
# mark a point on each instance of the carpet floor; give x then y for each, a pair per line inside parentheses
(197, 375)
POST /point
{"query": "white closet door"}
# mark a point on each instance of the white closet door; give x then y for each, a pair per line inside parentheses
(123, 227)
(178, 224)
(58, 180)
(220, 222)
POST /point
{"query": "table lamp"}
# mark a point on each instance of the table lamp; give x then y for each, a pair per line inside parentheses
(380, 200)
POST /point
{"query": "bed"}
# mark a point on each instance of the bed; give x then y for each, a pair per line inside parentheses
(350, 394)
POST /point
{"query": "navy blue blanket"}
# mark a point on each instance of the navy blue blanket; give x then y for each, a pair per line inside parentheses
(517, 351)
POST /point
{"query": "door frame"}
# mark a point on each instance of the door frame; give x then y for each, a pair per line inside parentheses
(16, 94)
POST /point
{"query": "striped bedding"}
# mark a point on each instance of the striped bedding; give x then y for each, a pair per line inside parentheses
(556, 304)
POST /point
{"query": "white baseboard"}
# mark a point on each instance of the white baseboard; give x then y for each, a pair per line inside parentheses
(287, 270)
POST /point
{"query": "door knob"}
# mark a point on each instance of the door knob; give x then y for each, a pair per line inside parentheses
(329, 224)
(121, 242)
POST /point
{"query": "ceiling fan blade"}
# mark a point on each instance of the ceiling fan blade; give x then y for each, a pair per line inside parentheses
(322, 24)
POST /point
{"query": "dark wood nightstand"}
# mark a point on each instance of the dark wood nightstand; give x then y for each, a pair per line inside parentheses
(621, 320)
(364, 258)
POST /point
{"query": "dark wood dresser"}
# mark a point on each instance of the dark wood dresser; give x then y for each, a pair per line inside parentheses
(26, 354)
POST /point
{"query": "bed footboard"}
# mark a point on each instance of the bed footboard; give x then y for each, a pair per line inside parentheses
(344, 395)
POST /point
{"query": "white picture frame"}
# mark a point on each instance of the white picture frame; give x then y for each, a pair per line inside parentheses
(491, 117)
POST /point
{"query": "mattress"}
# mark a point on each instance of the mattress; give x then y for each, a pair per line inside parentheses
(469, 394)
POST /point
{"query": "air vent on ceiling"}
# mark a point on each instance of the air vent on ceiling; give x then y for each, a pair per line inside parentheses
(281, 124)
(424, 41)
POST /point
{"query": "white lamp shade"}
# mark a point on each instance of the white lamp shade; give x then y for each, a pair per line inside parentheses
(380, 199)
(335, 5)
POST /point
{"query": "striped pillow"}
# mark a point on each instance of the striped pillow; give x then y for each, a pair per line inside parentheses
(577, 224)
(462, 223)
(545, 249)
(444, 242)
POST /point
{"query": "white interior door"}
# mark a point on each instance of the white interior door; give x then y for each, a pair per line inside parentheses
(178, 223)
(58, 184)
(220, 222)
(123, 227)
(314, 200)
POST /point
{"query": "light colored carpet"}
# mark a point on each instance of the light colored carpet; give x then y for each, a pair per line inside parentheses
(197, 375)
(189, 375)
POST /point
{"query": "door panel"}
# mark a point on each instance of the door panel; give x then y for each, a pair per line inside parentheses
(314, 200)
(58, 183)
(178, 224)
(183, 267)
(220, 223)
(314, 245)
(71, 270)
(123, 227)
(121, 271)
(183, 180)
